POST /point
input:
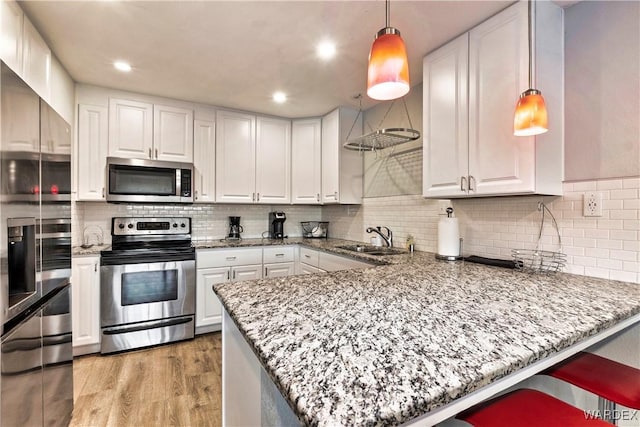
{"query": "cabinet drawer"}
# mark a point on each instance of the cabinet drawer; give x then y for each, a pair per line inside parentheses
(206, 258)
(330, 262)
(278, 254)
(309, 256)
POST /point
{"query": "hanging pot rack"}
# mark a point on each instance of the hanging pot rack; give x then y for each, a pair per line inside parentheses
(382, 137)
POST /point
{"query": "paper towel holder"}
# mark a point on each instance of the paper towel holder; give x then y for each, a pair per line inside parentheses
(451, 257)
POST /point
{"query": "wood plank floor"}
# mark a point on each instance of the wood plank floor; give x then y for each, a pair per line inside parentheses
(172, 385)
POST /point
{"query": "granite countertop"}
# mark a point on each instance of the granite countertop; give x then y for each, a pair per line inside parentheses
(383, 345)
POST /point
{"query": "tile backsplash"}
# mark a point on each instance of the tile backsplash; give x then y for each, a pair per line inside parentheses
(606, 246)
(209, 221)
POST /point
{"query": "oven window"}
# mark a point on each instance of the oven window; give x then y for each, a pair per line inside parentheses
(149, 286)
(135, 180)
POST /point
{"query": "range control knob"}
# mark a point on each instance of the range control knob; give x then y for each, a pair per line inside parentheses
(120, 226)
(183, 225)
(175, 225)
(130, 226)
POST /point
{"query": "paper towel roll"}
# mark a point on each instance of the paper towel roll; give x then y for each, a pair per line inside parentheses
(448, 237)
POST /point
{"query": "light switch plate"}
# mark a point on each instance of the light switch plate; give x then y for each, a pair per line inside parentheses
(443, 205)
(592, 204)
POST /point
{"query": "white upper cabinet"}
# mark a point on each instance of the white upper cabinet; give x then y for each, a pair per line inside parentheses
(130, 129)
(204, 160)
(36, 60)
(11, 35)
(142, 130)
(469, 147)
(342, 169)
(20, 116)
(92, 151)
(235, 157)
(253, 158)
(172, 133)
(273, 160)
(306, 153)
(445, 107)
(55, 133)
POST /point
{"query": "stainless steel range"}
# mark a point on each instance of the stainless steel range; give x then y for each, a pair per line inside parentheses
(148, 283)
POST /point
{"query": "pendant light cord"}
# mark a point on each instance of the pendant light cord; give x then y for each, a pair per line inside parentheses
(530, 35)
(387, 13)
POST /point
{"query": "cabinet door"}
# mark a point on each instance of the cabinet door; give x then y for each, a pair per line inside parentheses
(246, 272)
(305, 161)
(235, 157)
(55, 133)
(36, 60)
(20, 115)
(85, 300)
(92, 152)
(445, 120)
(281, 269)
(208, 307)
(204, 160)
(499, 162)
(273, 160)
(330, 157)
(309, 269)
(11, 39)
(130, 129)
(172, 134)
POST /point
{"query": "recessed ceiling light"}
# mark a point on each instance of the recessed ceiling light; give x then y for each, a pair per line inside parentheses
(279, 97)
(122, 66)
(326, 50)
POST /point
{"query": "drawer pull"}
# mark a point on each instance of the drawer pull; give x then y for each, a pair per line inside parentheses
(279, 254)
(231, 258)
(307, 256)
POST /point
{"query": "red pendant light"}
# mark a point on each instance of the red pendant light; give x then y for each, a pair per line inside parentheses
(530, 117)
(388, 74)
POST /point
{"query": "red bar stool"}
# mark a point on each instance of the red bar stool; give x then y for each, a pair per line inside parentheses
(612, 381)
(528, 408)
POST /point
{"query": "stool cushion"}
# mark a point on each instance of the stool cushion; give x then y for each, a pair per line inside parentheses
(613, 381)
(528, 408)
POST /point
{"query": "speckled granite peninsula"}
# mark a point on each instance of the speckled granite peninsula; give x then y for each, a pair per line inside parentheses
(384, 345)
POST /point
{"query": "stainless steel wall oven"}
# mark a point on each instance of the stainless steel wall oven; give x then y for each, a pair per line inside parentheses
(147, 281)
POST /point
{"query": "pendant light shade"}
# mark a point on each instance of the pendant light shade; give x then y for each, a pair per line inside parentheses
(531, 114)
(530, 117)
(388, 73)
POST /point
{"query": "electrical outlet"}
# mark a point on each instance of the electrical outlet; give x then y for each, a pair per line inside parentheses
(443, 205)
(592, 204)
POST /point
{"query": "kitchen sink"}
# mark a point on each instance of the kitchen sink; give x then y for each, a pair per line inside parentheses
(372, 250)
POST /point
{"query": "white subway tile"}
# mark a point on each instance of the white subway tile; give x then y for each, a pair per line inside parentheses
(612, 184)
(584, 261)
(584, 186)
(631, 245)
(624, 235)
(631, 266)
(631, 204)
(597, 253)
(624, 276)
(597, 233)
(631, 183)
(574, 269)
(609, 244)
(572, 250)
(624, 255)
(611, 264)
(613, 204)
(585, 243)
(624, 214)
(631, 193)
(602, 273)
(610, 224)
(632, 224)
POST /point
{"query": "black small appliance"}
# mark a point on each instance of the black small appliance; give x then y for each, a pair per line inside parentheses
(234, 228)
(276, 225)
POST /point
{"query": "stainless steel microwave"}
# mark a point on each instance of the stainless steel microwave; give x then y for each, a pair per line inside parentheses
(149, 181)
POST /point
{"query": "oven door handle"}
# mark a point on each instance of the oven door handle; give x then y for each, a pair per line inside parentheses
(147, 325)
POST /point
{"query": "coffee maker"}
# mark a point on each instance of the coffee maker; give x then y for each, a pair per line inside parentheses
(234, 228)
(276, 225)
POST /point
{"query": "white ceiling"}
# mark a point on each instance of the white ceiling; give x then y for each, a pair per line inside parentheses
(237, 53)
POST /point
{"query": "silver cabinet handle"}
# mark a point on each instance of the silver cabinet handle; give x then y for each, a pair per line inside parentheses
(228, 275)
(156, 153)
(463, 181)
(253, 197)
(231, 258)
(95, 266)
(265, 272)
(335, 194)
(103, 192)
(279, 254)
(472, 180)
(307, 256)
(196, 194)
(318, 197)
(258, 197)
(234, 275)
(150, 156)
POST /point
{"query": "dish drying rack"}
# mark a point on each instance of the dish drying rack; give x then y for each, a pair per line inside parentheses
(539, 261)
(381, 138)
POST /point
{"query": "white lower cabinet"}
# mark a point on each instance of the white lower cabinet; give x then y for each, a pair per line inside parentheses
(309, 269)
(313, 261)
(282, 269)
(85, 304)
(208, 307)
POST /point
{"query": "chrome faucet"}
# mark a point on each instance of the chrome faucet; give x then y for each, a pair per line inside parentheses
(388, 239)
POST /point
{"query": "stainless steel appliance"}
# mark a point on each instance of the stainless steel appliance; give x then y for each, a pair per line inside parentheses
(234, 228)
(276, 225)
(148, 283)
(36, 378)
(149, 181)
